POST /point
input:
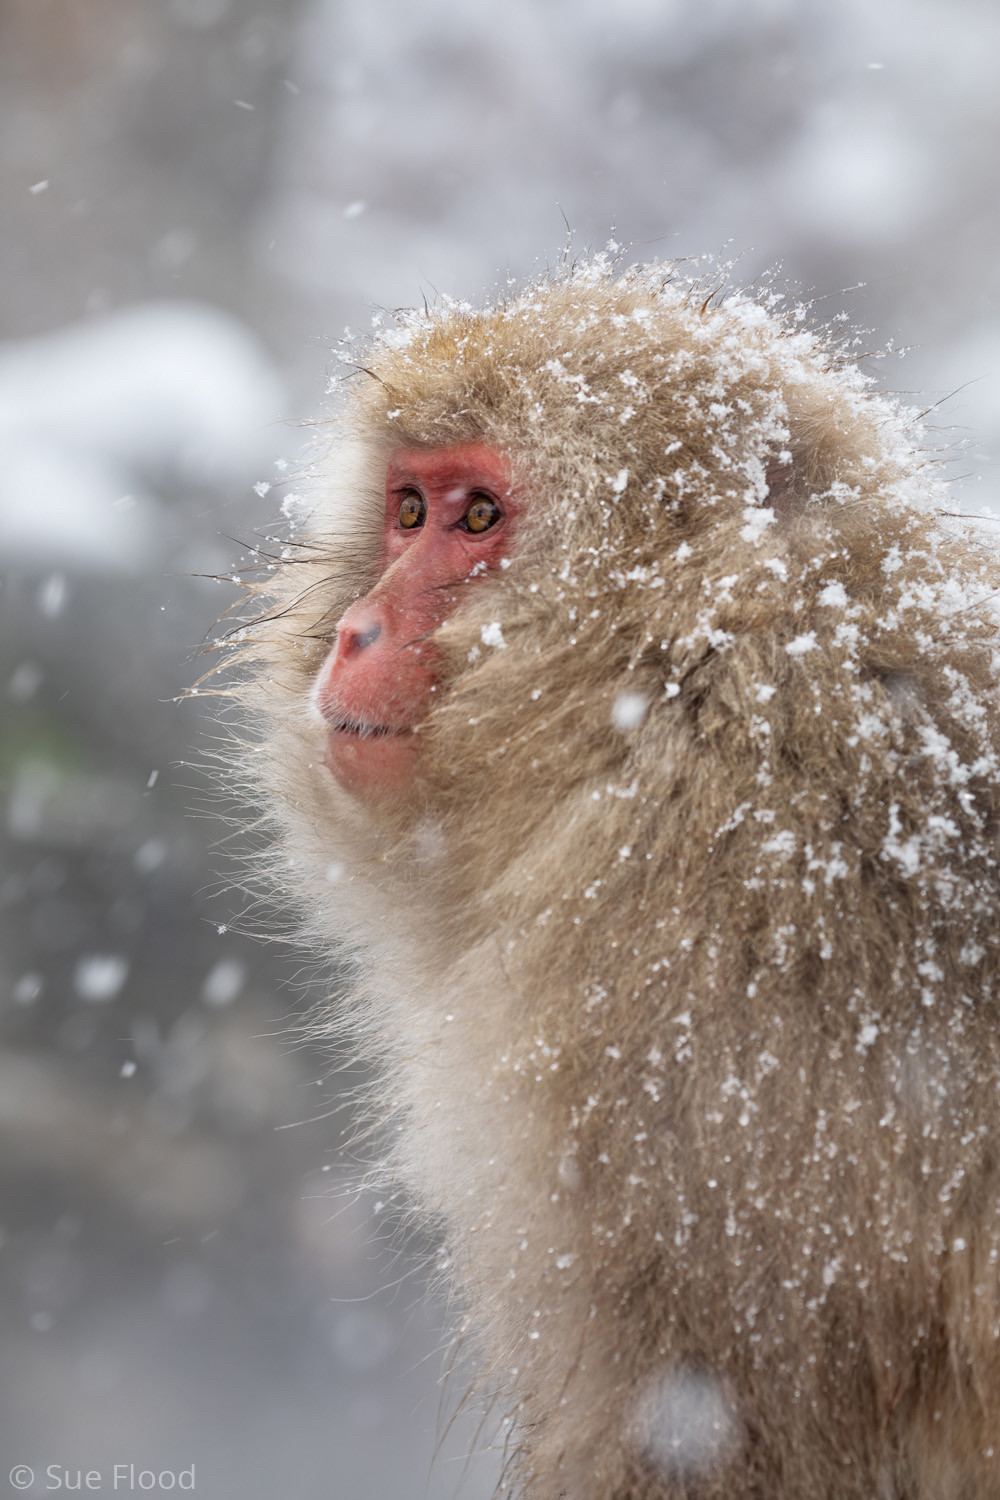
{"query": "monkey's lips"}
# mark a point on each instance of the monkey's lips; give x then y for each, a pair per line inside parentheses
(368, 757)
(363, 731)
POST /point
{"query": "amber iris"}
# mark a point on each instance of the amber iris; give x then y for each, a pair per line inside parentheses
(412, 511)
(481, 514)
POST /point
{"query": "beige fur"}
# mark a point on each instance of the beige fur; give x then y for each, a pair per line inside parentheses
(681, 957)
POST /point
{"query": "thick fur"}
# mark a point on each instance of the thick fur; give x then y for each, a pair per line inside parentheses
(681, 956)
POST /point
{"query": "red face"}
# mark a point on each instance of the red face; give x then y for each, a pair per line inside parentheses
(448, 519)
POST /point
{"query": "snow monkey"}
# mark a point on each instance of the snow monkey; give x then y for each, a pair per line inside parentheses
(631, 719)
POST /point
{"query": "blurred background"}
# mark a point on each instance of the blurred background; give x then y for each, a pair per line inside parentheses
(196, 198)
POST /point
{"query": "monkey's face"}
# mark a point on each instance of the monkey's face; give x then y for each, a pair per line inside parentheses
(448, 518)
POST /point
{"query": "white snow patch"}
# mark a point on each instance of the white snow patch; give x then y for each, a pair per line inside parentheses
(92, 416)
(223, 982)
(833, 595)
(756, 518)
(53, 593)
(905, 853)
(629, 710)
(149, 856)
(686, 1423)
(24, 681)
(27, 989)
(99, 976)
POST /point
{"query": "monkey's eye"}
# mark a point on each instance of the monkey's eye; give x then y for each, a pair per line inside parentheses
(412, 510)
(481, 514)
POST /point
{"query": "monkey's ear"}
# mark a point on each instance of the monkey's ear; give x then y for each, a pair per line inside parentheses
(781, 494)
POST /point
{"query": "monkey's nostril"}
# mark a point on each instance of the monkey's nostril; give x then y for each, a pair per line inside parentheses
(357, 640)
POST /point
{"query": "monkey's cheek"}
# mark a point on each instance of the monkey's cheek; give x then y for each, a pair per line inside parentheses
(373, 765)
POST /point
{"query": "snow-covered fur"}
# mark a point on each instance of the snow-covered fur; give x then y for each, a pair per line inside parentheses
(681, 957)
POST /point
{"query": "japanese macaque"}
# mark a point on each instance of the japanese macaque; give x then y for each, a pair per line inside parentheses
(631, 717)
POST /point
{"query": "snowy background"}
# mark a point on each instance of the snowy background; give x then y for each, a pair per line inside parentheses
(196, 197)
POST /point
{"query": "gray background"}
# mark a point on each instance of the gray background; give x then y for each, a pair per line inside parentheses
(196, 196)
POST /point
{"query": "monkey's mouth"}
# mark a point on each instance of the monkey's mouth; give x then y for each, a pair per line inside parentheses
(360, 730)
(370, 759)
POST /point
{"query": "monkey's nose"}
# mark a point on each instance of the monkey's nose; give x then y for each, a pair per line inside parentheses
(353, 639)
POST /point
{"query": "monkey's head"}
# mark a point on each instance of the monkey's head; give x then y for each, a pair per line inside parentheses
(570, 557)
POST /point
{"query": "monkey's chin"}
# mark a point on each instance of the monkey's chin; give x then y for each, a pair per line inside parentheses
(369, 764)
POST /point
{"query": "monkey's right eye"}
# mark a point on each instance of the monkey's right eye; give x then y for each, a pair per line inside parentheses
(412, 511)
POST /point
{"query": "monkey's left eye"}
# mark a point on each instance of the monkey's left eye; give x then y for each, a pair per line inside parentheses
(481, 514)
(412, 510)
